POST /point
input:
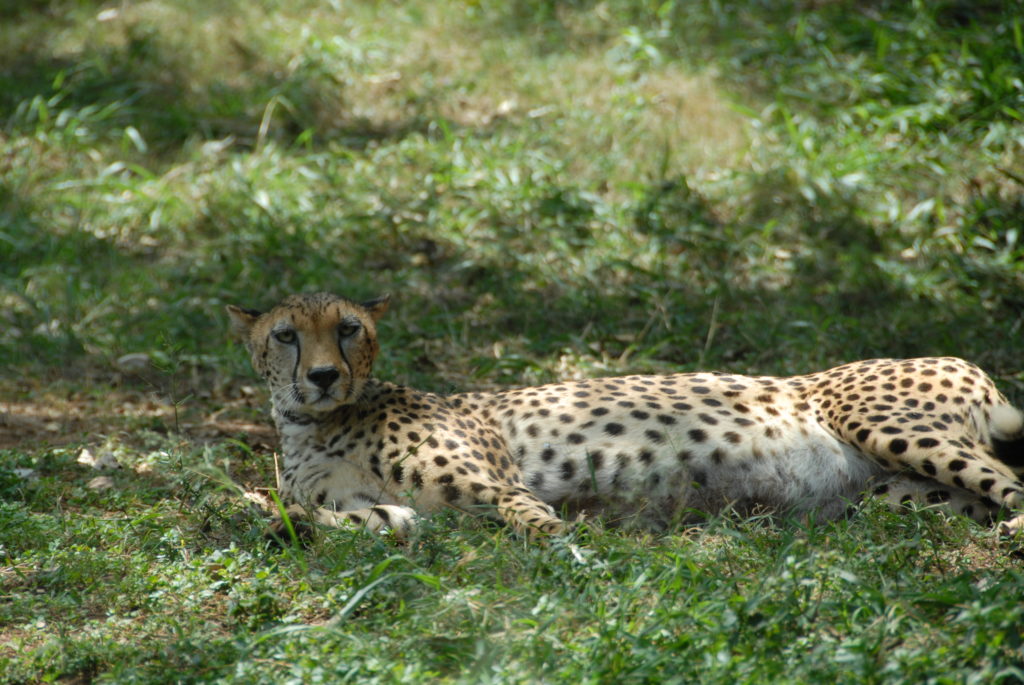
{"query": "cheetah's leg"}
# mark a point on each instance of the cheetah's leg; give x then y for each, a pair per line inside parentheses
(925, 492)
(1007, 431)
(398, 519)
(953, 459)
(527, 514)
(1006, 426)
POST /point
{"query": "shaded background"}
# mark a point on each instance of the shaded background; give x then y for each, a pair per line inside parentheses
(546, 188)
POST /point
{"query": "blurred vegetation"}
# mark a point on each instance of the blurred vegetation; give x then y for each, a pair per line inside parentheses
(548, 189)
(812, 181)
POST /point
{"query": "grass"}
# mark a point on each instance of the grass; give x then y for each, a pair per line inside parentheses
(548, 190)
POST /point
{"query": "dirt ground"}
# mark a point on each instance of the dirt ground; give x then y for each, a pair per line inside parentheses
(35, 415)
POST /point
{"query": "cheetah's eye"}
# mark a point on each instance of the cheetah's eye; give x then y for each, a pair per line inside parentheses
(285, 335)
(348, 329)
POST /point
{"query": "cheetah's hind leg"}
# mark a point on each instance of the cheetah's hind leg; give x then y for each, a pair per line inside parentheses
(904, 488)
(1007, 425)
(951, 458)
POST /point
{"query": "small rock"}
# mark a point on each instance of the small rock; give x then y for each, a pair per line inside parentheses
(100, 483)
(105, 461)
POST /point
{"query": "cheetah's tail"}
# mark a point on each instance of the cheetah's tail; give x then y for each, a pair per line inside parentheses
(1006, 424)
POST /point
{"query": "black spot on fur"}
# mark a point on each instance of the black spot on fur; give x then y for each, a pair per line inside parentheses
(655, 436)
(613, 428)
(451, 493)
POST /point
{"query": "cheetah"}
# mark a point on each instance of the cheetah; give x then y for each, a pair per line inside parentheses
(649, 450)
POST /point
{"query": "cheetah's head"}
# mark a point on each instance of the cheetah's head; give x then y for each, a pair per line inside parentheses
(315, 351)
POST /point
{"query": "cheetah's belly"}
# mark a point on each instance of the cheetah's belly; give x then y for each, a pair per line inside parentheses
(808, 469)
(816, 473)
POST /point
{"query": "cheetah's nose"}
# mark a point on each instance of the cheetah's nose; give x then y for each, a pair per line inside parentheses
(323, 376)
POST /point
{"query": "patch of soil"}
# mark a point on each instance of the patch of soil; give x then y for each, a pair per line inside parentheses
(33, 416)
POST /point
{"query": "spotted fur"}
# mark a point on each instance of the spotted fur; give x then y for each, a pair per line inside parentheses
(651, 450)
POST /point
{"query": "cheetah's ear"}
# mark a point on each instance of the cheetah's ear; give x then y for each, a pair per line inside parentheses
(377, 306)
(242, 320)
